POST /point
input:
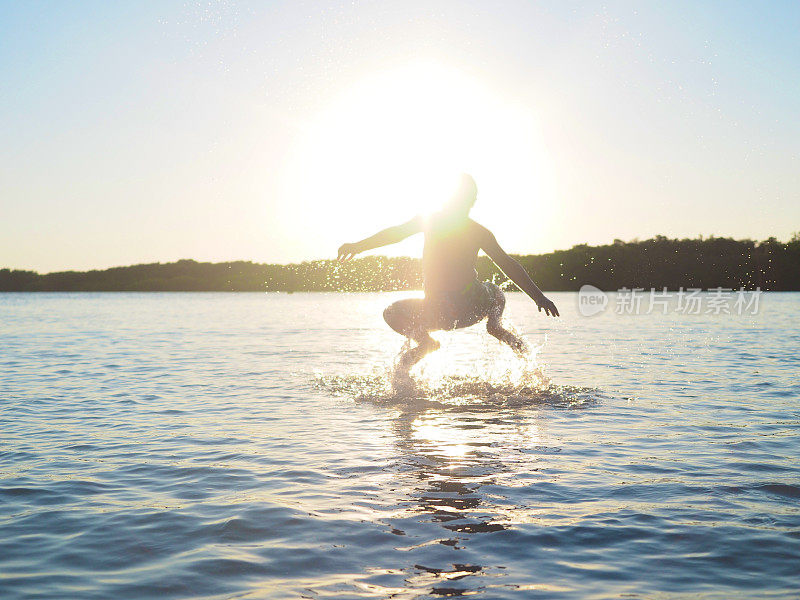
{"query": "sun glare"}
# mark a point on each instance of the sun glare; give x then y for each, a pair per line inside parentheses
(393, 144)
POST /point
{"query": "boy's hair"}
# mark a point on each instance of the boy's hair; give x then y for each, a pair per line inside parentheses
(467, 188)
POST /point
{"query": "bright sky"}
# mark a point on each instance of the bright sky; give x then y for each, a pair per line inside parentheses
(153, 131)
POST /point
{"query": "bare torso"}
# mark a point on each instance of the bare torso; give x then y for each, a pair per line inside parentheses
(450, 253)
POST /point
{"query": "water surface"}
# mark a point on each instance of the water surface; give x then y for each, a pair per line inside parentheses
(249, 446)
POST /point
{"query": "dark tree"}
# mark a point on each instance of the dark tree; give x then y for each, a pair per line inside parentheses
(655, 263)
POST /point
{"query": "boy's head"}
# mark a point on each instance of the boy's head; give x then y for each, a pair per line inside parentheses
(464, 196)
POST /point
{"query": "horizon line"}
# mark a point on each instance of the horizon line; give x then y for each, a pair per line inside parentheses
(795, 237)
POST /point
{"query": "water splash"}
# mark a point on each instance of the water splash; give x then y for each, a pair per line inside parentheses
(495, 377)
(520, 385)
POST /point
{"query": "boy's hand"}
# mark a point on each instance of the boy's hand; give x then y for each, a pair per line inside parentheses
(544, 303)
(347, 251)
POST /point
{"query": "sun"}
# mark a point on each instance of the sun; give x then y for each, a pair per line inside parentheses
(393, 144)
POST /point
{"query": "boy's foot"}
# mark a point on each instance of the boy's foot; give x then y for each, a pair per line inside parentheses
(402, 382)
(519, 346)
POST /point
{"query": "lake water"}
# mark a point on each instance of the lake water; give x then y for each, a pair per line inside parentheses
(248, 446)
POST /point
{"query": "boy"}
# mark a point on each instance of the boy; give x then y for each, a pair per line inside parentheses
(454, 297)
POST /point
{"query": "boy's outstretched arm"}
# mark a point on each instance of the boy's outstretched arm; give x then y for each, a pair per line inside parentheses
(515, 272)
(390, 235)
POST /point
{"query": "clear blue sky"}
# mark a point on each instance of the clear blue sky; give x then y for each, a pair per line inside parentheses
(152, 131)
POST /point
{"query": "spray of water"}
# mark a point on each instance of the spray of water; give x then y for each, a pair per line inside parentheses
(497, 377)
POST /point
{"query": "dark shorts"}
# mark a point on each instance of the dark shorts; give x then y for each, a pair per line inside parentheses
(451, 310)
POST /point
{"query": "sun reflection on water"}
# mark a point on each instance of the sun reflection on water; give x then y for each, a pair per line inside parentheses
(468, 428)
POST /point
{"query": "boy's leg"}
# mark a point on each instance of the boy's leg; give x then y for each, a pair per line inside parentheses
(425, 345)
(495, 325)
(408, 318)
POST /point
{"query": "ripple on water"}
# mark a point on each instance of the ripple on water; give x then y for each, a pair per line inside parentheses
(199, 456)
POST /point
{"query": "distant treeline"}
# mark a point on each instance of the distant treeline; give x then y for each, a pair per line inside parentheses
(655, 263)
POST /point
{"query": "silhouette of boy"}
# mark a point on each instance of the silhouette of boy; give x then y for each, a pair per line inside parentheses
(454, 297)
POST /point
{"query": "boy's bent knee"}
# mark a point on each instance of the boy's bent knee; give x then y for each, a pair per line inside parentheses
(392, 318)
(496, 293)
(399, 318)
